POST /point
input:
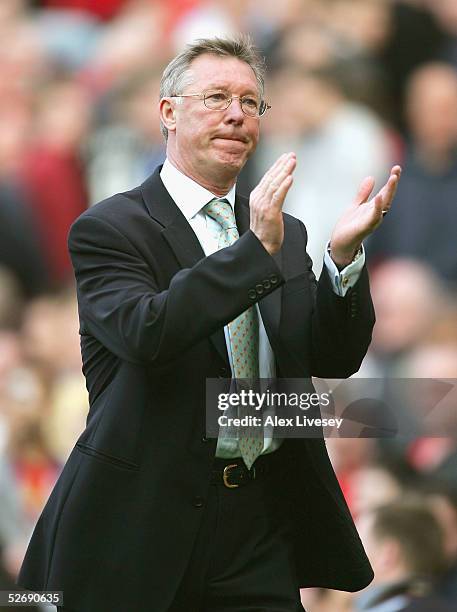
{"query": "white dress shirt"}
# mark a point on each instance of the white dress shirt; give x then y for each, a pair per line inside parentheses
(190, 197)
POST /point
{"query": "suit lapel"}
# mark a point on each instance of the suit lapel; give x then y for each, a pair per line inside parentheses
(176, 229)
(178, 234)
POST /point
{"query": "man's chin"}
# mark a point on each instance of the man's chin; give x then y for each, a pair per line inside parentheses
(234, 161)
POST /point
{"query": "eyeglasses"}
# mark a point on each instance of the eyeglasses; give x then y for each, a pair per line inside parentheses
(221, 100)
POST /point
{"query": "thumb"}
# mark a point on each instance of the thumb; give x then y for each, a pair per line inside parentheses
(365, 189)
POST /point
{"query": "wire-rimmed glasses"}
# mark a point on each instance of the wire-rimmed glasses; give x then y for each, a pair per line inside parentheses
(221, 100)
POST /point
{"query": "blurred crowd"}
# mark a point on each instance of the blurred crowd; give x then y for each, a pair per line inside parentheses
(354, 86)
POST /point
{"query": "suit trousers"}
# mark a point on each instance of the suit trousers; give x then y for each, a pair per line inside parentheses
(243, 558)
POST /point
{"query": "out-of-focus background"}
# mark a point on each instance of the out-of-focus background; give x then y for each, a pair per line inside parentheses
(355, 86)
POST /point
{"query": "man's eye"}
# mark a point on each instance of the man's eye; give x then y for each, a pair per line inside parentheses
(216, 97)
(251, 102)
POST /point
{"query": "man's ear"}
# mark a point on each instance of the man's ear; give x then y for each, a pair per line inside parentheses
(167, 114)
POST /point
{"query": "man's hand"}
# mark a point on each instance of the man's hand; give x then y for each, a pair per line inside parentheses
(267, 200)
(362, 218)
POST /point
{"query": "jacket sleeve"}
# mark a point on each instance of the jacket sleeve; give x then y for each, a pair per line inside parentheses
(341, 327)
(122, 305)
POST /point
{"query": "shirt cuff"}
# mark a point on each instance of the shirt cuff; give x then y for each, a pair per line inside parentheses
(345, 279)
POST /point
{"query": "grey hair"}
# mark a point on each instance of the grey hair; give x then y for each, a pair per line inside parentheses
(177, 75)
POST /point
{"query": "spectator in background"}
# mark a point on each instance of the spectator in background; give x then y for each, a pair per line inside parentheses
(24, 480)
(405, 311)
(131, 43)
(349, 456)
(124, 151)
(337, 41)
(372, 486)
(405, 544)
(443, 503)
(423, 224)
(434, 400)
(52, 172)
(43, 404)
(19, 249)
(365, 28)
(70, 38)
(50, 342)
(414, 37)
(412, 344)
(445, 13)
(379, 42)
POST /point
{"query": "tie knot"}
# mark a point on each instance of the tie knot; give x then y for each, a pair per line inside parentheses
(221, 211)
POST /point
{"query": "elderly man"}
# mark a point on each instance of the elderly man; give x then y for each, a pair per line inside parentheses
(181, 280)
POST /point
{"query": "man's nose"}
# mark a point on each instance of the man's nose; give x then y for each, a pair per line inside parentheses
(234, 113)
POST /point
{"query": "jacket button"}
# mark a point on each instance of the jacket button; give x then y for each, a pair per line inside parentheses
(252, 293)
(223, 372)
(273, 279)
(259, 289)
(205, 439)
(267, 284)
(198, 502)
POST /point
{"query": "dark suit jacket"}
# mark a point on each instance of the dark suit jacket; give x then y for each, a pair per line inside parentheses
(118, 529)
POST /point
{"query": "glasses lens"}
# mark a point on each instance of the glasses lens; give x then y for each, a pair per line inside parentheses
(220, 100)
(216, 100)
(250, 106)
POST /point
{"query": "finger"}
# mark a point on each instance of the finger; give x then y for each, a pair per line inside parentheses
(365, 189)
(279, 195)
(391, 186)
(286, 170)
(387, 193)
(271, 173)
(396, 170)
(278, 168)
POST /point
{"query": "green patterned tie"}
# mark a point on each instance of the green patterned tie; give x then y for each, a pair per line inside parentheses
(243, 333)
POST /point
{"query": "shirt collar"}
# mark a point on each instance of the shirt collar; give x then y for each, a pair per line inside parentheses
(189, 196)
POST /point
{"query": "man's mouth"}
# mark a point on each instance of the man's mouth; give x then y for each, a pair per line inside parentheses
(231, 138)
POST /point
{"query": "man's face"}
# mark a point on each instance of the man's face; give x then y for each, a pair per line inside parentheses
(215, 142)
